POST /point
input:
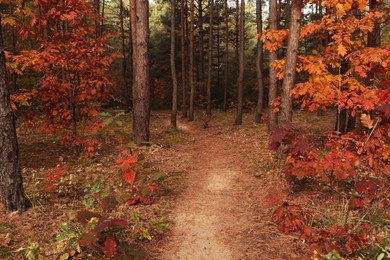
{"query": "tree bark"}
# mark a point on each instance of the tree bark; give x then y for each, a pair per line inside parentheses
(183, 60)
(141, 88)
(173, 67)
(226, 56)
(210, 59)
(273, 82)
(191, 73)
(103, 13)
(237, 29)
(124, 65)
(291, 62)
(240, 79)
(259, 64)
(11, 181)
(201, 77)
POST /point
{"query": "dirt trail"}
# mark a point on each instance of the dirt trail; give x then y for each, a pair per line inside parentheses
(217, 216)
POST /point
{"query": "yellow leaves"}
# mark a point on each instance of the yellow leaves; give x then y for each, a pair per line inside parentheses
(7, 19)
(340, 11)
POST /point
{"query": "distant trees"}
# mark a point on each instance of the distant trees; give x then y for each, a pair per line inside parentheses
(11, 182)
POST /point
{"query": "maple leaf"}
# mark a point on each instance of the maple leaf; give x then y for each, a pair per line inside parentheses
(129, 176)
(367, 121)
(341, 50)
(109, 248)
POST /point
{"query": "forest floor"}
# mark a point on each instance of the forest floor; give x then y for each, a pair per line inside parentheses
(219, 186)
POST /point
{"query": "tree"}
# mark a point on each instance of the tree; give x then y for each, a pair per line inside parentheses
(285, 119)
(259, 64)
(226, 55)
(201, 77)
(10, 177)
(240, 79)
(141, 87)
(125, 72)
(173, 67)
(273, 25)
(191, 74)
(210, 60)
(183, 58)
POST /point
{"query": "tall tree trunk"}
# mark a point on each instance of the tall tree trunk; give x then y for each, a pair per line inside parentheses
(210, 66)
(11, 181)
(226, 56)
(218, 48)
(291, 62)
(237, 28)
(103, 13)
(201, 77)
(124, 73)
(141, 88)
(273, 82)
(240, 79)
(173, 67)
(97, 11)
(259, 64)
(191, 73)
(183, 59)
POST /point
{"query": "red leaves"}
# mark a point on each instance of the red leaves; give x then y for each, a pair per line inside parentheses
(109, 247)
(152, 187)
(291, 218)
(52, 178)
(129, 176)
(126, 166)
(84, 216)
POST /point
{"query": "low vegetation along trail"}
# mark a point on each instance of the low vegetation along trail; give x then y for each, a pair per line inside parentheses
(217, 216)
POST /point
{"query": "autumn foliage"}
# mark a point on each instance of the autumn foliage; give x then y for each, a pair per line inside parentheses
(74, 62)
(349, 74)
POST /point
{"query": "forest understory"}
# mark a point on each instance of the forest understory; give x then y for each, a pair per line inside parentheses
(216, 192)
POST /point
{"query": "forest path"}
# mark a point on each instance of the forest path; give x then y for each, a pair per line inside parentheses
(219, 214)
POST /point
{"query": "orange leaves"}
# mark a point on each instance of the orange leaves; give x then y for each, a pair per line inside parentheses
(273, 39)
(341, 50)
(311, 29)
